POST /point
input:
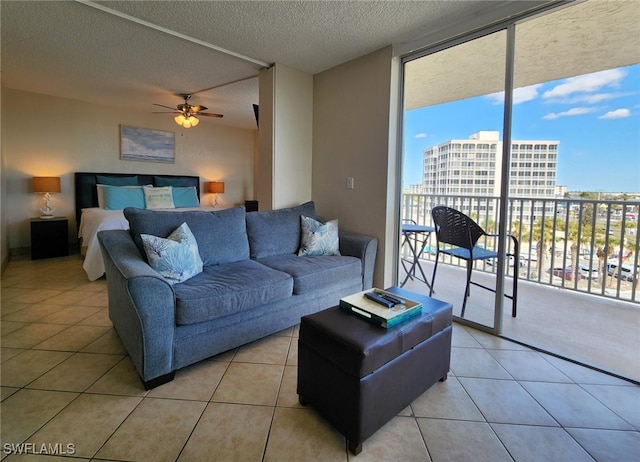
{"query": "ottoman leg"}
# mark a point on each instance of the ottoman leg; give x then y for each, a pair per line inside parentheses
(444, 377)
(301, 400)
(355, 448)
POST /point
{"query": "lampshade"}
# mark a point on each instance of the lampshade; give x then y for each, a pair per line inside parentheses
(46, 184)
(216, 187)
(186, 122)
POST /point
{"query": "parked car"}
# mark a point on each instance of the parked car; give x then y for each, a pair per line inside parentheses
(625, 272)
(566, 273)
(512, 261)
(587, 273)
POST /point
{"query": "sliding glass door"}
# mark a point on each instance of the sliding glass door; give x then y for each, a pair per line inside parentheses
(531, 128)
(452, 142)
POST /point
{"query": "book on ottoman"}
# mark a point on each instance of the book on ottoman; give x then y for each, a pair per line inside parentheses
(381, 307)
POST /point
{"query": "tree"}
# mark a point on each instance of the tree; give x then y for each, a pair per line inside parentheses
(542, 233)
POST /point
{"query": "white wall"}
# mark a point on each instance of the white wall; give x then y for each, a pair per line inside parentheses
(354, 136)
(286, 133)
(48, 136)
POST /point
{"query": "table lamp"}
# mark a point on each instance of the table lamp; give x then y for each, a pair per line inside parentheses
(216, 187)
(46, 185)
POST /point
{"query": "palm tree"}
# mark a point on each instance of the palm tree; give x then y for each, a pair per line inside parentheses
(602, 253)
(542, 233)
(575, 235)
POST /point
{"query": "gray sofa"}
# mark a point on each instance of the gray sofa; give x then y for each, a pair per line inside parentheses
(253, 284)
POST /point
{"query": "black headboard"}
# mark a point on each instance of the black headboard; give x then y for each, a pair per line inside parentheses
(87, 194)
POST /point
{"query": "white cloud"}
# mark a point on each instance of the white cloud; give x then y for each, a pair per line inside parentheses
(496, 98)
(588, 83)
(571, 112)
(524, 94)
(520, 95)
(421, 135)
(617, 114)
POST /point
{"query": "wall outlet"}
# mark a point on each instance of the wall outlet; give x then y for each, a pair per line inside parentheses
(350, 183)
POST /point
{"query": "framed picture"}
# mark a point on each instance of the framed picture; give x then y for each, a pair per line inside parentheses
(147, 145)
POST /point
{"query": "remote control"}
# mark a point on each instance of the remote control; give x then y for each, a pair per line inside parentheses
(379, 299)
(392, 299)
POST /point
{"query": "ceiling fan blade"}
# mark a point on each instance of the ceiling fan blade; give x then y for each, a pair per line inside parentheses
(198, 108)
(209, 114)
(166, 112)
(162, 105)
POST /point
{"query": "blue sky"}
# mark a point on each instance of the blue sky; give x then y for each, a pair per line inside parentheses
(596, 118)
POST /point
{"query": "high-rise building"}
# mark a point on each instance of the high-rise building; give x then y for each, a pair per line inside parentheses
(472, 167)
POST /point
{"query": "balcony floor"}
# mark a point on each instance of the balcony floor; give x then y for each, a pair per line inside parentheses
(594, 330)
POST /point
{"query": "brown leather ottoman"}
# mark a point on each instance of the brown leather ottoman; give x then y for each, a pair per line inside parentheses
(359, 376)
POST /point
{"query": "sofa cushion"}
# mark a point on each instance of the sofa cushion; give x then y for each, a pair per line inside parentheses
(221, 235)
(276, 232)
(226, 289)
(317, 272)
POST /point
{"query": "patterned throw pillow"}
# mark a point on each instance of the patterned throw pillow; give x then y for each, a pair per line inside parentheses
(159, 198)
(176, 257)
(318, 238)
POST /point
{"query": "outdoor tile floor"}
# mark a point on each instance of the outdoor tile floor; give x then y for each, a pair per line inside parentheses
(66, 379)
(603, 332)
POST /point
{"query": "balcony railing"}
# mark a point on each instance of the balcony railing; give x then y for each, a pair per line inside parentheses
(584, 245)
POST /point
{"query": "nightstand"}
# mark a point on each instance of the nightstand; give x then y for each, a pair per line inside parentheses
(49, 237)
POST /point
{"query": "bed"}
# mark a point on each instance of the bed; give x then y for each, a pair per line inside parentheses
(92, 218)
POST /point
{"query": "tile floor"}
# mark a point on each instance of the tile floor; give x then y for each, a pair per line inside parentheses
(66, 380)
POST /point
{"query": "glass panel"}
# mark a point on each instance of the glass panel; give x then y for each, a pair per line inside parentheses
(575, 163)
(452, 156)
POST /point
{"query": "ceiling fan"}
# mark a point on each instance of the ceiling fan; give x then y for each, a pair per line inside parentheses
(187, 112)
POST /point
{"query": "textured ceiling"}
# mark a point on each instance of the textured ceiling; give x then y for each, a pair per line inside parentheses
(79, 50)
(584, 38)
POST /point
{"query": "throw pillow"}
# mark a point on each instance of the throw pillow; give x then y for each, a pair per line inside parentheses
(177, 257)
(159, 198)
(119, 197)
(318, 238)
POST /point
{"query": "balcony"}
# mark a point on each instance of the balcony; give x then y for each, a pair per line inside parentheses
(584, 307)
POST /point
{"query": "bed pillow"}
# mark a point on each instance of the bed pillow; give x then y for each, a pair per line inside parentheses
(100, 192)
(318, 238)
(159, 198)
(119, 197)
(177, 257)
(185, 197)
(173, 181)
(117, 180)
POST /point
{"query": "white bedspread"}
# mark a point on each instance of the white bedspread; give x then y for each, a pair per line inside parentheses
(96, 219)
(92, 221)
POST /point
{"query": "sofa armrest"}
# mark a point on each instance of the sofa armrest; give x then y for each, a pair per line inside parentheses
(141, 305)
(363, 247)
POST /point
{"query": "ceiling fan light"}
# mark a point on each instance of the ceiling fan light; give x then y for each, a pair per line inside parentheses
(194, 121)
(186, 123)
(179, 119)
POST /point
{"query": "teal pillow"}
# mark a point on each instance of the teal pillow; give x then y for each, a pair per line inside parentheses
(185, 197)
(117, 198)
(318, 238)
(177, 257)
(117, 180)
(172, 181)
